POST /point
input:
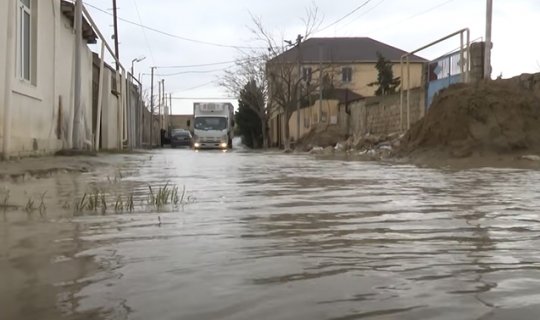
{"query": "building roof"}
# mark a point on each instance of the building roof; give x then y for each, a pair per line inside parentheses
(346, 96)
(68, 10)
(343, 50)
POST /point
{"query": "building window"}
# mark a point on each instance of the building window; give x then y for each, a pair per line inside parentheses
(24, 32)
(346, 74)
(306, 74)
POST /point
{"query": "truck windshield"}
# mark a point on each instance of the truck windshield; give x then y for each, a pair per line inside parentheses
(210, 123)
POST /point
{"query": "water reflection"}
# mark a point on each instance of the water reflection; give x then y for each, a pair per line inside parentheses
(289, 237)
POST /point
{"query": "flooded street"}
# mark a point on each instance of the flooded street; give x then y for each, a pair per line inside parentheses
(274, 236)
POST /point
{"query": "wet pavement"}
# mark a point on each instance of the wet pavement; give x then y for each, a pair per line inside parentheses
(272, 236)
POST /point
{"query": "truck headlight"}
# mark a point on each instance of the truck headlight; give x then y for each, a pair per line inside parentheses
(196, 145)
(224, 145)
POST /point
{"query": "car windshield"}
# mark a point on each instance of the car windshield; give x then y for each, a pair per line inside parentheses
(180, 133)
(210, 123)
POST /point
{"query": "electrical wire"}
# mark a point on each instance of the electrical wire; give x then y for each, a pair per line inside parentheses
(197, 86)
(211, 64)
(204, 98)
(345, 16)
(361, 15)
(427, 11)
(419, 14)
(144, 33)
(188, 72)
(173, 35)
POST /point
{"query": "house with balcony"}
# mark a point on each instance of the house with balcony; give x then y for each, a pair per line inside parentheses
(311, 81)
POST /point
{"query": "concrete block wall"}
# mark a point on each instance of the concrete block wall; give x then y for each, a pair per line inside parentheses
(383, 115)
(309, 117)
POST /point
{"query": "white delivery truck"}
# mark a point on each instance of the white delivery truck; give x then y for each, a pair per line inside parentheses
(213, 125)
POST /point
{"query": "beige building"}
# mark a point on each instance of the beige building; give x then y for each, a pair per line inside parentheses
(344, 64)
(36, 77)
(181, 121)
(37, 85)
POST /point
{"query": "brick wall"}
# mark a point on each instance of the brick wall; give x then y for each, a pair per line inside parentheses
(383, 115)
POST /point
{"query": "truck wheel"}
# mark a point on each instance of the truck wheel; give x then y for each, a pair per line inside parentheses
(229, 144)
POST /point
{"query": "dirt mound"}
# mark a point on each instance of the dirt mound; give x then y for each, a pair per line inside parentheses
(484, 118)
(324, 136)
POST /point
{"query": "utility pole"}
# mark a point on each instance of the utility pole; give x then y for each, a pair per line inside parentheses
(488, 44)
(320, 83)
(76, 140)
(152, 107)
(159, 102)
(161, 94)
(164, 102)
(116, 50)
(170, 111)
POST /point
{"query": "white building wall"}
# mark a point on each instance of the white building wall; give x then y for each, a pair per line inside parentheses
(3, 64)
(35, 110)
(109, 124)
(65, 79)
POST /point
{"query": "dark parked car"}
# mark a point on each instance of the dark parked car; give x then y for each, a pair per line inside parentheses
(180, 137)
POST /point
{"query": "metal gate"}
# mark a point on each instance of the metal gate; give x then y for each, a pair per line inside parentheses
(442, 73)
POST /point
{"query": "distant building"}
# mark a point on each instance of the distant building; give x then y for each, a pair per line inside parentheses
(347, 67)
(181, 121)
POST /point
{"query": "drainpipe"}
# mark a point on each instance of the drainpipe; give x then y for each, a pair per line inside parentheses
(10, 46)
(100, 96)
(125, 108)
(77, 91)
(488, 44)
(320, 83)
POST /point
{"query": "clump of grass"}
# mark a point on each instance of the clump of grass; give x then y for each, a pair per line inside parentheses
(5, 202)
(157, 199)
(42, 207)
(119, 204)
(130, 203)
(80, 205)
(165, 195)
(93, 201)
(103, 203)
(29, 207)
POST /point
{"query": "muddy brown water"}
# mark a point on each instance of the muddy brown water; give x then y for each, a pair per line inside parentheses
(273, 236)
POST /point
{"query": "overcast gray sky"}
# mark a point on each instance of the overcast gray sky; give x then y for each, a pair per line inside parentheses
(407, 25)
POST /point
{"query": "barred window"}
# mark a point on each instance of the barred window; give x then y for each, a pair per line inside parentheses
(346, 74)
(25, 42)
(306, 74)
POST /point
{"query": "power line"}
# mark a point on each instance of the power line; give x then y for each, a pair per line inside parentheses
(189, 72)
(414, 15)
(363, 14)
(198, 86)
(345, 16)
(144, 33)
(211, 64)
(204, 98)
(173, 35)
(426, 11)
(196, 65)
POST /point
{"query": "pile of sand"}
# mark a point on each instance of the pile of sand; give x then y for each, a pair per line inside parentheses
(499, 117)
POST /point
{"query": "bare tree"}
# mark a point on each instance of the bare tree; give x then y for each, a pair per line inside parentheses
(283, 86)
(250, 70)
